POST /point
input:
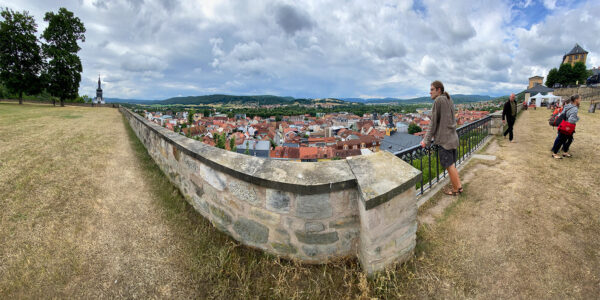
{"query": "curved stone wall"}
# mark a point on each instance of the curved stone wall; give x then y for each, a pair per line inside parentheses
(312, 212)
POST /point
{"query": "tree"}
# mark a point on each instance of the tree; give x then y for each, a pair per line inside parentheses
(552, 77)
(221, 140)
(565, 75)
(191, 116)
(273, 144)
(414, 128)
(580, 73)
(232, 143)
(20, 55)
(64, 68)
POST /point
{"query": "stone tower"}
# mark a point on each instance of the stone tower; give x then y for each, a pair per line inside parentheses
(99, 99)
(577, 54)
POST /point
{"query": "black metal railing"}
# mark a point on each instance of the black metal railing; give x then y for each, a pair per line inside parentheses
(470, 137)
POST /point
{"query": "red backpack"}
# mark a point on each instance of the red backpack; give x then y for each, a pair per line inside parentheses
(556, 119)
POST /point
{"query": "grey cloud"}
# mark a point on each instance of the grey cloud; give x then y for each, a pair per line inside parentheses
(391, 48)
(246, 51)
(496, 61)
(292, 19)
(103, 4)
(461, 30)
(141, 63)
(169, 5)
(136, 4)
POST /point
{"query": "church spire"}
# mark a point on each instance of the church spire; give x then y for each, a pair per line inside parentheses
(99, 82)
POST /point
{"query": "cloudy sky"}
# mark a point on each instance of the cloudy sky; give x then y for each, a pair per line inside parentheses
(156, 49)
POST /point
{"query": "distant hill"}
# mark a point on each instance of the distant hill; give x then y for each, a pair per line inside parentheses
(273, 100)
(230, 99)
(457, 98)
(132, 101)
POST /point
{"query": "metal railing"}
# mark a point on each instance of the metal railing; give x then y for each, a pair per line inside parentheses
(470, 137)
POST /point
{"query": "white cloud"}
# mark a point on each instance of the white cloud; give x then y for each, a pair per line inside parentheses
(161, 48)
(550, 4)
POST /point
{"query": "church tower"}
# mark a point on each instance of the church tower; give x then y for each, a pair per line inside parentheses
(99, 98)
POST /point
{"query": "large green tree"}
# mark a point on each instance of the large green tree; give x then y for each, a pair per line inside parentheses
(414, 128)
(579, 73)
(552, 77)
(64, 68)
(20, 57)
(565, 74)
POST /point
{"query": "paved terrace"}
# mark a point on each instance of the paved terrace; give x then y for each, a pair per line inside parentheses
(86, 214)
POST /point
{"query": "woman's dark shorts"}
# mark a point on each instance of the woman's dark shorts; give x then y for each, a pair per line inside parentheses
(447, 157)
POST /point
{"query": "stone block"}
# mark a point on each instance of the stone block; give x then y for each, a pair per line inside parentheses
(349, 241)
(251, 231)
(212, 177)
(311, 227)
(310, 251)
(278, 201)
(243, 191)
(317, 238)
(200, 205)
(265, 216)
(344, 201)
(345, 222)
(284, 248)
(321, 251)
(176, 153)
(313, 207)
(281, 235)
(221, 216)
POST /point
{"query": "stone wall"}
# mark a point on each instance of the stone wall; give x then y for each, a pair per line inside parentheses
(312, 212)
(583, 91)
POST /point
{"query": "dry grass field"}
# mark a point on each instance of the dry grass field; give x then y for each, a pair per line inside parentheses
(87, 214)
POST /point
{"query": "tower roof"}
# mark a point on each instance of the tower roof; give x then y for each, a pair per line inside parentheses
(577, 50)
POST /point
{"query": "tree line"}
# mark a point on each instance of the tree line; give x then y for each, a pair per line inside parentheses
(567, 75)
(31, 66)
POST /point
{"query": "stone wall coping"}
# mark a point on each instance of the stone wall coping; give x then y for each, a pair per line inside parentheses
(297, 177)
(381, 176)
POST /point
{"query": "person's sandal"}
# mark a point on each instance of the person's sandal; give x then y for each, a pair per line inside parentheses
(556, 156)
(450, 192)
(567, 155)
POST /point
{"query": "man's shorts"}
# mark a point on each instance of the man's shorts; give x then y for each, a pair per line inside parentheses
(447, 157)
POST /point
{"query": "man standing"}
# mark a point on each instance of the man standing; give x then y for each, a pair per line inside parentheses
(509, 115)
(443, 132)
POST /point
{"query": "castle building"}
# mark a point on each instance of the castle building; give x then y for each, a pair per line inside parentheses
(99, 99)
(577, 54)
(535, 80)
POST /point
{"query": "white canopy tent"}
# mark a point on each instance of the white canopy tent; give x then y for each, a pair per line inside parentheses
(537, 98)
(550, 98)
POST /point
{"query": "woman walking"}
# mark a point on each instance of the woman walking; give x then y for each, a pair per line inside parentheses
(443, 132)
(565, 138)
